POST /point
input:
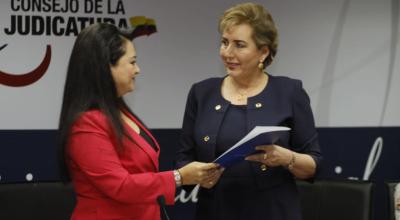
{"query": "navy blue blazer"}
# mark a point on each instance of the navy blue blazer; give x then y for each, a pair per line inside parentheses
(282, 103)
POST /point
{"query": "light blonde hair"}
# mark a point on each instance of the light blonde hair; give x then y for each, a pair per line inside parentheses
(259, 19)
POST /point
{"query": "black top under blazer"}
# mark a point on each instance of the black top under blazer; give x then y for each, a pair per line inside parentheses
(282, 103)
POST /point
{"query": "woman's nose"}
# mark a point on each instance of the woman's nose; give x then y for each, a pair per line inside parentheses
(137, 69)
(227, 51)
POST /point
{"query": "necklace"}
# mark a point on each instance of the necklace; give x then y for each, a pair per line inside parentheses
(244, 94)
(241, 96)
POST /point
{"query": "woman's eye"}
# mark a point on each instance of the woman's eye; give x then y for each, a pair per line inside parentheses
(224, 43)
(240, 45)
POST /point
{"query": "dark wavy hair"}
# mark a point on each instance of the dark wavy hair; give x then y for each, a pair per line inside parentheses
(89, 83)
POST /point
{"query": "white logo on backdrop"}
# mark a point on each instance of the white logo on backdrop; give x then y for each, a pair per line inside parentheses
(373, 158)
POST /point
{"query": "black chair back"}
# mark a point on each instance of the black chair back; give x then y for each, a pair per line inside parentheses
(390, 189)
(334, 199)
(44, 201)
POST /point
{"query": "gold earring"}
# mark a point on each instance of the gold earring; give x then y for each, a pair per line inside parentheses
(261, 65)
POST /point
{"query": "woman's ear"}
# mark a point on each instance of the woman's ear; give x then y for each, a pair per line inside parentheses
(112, 70)
(264, 53)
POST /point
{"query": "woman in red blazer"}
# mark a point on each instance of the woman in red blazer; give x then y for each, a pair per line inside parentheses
(110, 156)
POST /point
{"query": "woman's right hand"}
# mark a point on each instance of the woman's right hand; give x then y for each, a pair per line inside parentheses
(212, 179)
(197, 172)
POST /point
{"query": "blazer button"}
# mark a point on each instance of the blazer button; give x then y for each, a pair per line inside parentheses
(217, 107)
(258, 105)
(206, 138)
(263, 167)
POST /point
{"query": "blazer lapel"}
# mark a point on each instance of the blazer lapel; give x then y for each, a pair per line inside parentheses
(212, 115)
(142, 143)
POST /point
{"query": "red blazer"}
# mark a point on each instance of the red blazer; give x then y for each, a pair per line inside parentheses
(110, 184)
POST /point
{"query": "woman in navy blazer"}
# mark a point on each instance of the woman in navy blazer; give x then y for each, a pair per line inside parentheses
(220, 111)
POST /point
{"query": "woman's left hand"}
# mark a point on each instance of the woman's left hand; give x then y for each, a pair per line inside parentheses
(272, 155)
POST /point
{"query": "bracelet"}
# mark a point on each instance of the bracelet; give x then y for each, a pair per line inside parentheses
(178, 178)
(291, 162)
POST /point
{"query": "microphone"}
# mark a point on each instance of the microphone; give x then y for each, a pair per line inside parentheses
(161, 202)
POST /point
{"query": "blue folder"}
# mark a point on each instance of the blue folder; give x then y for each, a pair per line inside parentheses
(260, 135)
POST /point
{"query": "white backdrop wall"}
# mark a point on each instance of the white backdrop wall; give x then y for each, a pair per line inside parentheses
(339, 49)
